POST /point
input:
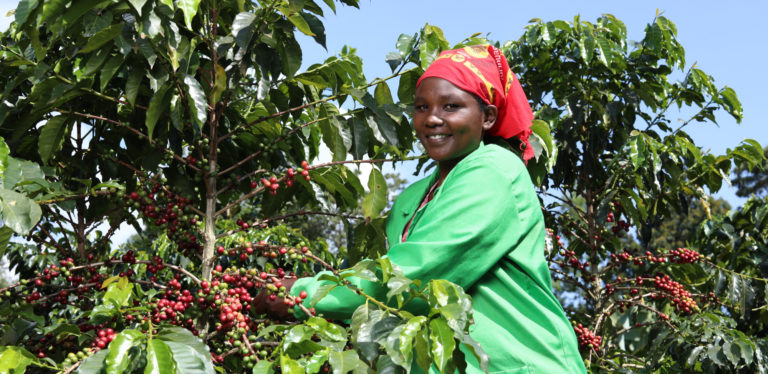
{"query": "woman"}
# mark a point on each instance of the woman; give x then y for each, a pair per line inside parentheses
(476, 221)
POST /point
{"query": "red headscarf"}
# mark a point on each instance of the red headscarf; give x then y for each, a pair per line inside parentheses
(483, 71)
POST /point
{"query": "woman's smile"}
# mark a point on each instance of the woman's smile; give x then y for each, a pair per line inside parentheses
(449, 121)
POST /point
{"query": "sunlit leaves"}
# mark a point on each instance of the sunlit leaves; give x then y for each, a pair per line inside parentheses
(189, 8)
(376, 199)
(101, 38)
(14, 360)
(122, 351)
(52, 137)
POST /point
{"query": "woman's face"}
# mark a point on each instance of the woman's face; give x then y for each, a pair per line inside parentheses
(448, 120)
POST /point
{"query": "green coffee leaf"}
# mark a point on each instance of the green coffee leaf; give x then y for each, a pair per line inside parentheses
(197, 101)
(120, 357)
(189, 8)
(159, 358)
(443, 343)
(51, 137)
(376, 199)
(19, 212)
(102, 37)
(94, 364)
(14, 360)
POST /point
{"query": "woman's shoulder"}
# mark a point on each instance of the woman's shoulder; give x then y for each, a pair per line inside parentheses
(493, 160)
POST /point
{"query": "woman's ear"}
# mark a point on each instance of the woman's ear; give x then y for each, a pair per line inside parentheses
(491, 114)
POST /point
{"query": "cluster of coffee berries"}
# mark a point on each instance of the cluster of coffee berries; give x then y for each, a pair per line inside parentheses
(103, 338)
(169, 211)
(270, 184)
(587, 338)
(684, 255)
(655, 259)
(172, 305)
(155, 267)
(619, 226)
(573, 261)
(678, 295)
(74, 357)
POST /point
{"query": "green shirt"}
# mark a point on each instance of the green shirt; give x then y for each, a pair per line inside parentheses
(484, 231)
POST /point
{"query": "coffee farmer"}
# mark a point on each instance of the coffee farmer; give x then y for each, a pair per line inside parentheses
(476, 221)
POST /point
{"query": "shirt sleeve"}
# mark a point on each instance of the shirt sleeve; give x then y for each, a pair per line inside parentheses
(472, 222)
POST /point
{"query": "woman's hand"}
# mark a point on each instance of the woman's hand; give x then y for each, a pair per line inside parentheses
(274, 308)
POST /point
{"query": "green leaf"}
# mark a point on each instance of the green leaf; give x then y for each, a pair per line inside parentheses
(290, 52)
(19, 212)
(51, 137)
(290, 366)
(346, 361)
(109, 70)
(23, 10)
(197, 101)
(241, 28)
(264, 367)
(5, 238)
(220, 85)
(476, 350)
(365, 269)
(159, 358)
(102, 37)
(433, 42)
(157, 106)
(315, 363)
(300, 23)
(95, 62)
(406, 339)
(443, 343)
(19, 171)
(189, 8)
(188, 360)
(422, 350)
(732, 103)
(138, 5)
(404, 45)
(132, 84)
(316, 27)
(14, 360)
(298, 341)
(52, 8)
(394, 60)
(326, 330)
(119, 357)
(4, 152)
(321, 293)
(407, 86)
(117, 294)
(382, 94)
(94, 364)
(376, 199)
(183, 336)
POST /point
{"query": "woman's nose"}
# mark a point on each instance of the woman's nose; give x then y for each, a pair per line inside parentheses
(433, 119)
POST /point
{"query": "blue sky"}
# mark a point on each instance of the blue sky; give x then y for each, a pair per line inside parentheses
(725, 39)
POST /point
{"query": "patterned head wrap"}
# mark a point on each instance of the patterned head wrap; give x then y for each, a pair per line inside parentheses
(483, 71)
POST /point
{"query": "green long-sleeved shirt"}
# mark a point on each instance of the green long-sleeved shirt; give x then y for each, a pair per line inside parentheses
(484, 231)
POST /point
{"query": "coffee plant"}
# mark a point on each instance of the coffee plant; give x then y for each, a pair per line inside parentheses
(192, 121)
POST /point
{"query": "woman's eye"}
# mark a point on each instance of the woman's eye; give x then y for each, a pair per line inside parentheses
(420, 108)
(451, 106)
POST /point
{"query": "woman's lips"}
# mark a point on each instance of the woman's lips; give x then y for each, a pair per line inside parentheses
(436, 138)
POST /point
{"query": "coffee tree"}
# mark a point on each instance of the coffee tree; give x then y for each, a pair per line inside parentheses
(191, 121)
(623, 166)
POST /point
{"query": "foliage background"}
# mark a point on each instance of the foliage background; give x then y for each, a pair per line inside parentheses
(737, 234)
